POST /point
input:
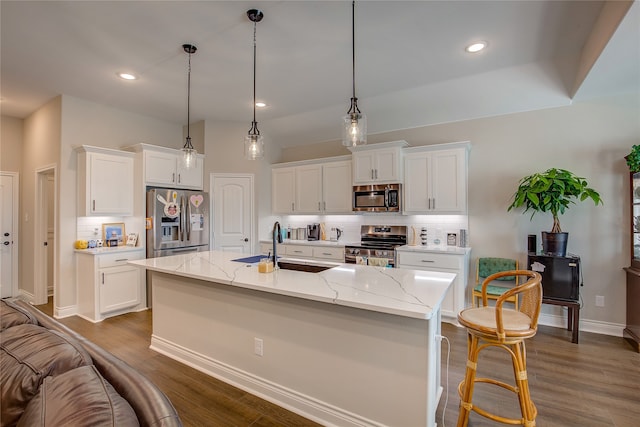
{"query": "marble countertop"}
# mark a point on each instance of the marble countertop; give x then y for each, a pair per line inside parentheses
(402, 292)
(434, 249)
(107, 250)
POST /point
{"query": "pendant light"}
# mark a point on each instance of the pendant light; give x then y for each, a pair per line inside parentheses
(354, 130)
(253, 142)
(189, 154)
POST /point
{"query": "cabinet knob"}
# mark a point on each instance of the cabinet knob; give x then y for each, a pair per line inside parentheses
(246, 239)
(5, 243)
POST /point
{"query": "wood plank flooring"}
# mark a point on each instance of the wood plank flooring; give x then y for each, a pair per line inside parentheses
(594, 383)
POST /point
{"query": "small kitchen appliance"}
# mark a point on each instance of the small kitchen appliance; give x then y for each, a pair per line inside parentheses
(313, 232)
(334, 234)
(377, 242)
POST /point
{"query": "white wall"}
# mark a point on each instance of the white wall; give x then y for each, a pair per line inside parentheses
(589, 138)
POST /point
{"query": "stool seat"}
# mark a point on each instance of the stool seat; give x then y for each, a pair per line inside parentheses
(506, 329)
(485, 317)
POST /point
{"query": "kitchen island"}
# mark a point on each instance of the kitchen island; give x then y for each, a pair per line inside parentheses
(352, 345)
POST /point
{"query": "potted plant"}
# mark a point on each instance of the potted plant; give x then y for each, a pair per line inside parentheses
(552, 191)
(633, 159)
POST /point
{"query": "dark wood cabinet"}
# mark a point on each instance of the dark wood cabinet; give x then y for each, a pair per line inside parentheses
(632, 331)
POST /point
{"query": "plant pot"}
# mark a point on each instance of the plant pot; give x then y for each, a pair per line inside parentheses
(554, 243)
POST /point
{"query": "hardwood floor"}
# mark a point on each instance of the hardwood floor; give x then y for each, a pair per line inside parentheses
(594, 383)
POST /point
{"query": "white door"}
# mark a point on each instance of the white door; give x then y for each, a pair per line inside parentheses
(9, 239)
(232, 198)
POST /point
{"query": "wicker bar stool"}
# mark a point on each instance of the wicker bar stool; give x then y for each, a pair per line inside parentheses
(507, 329)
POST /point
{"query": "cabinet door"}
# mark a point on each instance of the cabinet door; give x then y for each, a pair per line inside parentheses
(191, 178)
(448, 183)
(111, 184)
(308, 189)
(364, 164)
(387, 166)
(119, 288)
(160, 168)
(336, 187)
(417, 168)
(283, 187)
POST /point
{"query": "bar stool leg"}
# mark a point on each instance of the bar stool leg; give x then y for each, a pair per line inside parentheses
(465, 388)
(522, 383)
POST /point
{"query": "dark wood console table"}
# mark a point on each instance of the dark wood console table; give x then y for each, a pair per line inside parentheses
(573, 315)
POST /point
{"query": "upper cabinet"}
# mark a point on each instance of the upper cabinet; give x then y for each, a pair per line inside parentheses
(163, 168)
(435, 179)
(319, 188)
(378, 163)
(105, 182)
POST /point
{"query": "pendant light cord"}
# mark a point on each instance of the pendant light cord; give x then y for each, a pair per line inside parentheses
(189, 102)
(354, 101)
(254, 124)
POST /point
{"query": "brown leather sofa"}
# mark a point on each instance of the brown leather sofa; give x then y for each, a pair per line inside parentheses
(52, 376)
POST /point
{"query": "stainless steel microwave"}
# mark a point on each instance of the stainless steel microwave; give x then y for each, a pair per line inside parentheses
(377, 198)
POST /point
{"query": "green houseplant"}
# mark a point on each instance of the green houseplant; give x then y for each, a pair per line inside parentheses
(552, 191)
(633, 159)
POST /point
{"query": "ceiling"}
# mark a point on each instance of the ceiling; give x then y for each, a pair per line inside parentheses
(411, 67)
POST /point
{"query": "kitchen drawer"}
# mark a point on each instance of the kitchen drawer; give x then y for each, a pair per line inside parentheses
(299, 250)
(117, 259)
(329, 253)
(428, 260)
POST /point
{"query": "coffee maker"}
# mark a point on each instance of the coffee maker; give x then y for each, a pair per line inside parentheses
(313, 232)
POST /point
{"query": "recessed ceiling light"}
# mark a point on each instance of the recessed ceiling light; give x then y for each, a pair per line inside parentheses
(127, 76)
(260, 104)
(476, 47)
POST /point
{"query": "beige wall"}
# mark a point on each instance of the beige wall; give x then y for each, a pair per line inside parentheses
(11, 144)
(589, 138)
(41, 149)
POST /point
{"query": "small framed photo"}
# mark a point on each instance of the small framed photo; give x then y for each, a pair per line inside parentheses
(132, 239)
(113, 231)
(451, 239)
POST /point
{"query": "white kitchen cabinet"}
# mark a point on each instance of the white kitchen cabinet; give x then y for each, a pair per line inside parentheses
(107, 285)
(318, 188)
(435, 181)
(105, 182)
(457, 262)
(378, 163)
(318, 252)
(283, 190)
(162, 167)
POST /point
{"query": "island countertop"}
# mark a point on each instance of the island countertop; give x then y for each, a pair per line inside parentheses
(402, 292)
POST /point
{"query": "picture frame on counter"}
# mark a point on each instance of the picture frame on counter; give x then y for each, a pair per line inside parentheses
(113, 231)
(132, 239)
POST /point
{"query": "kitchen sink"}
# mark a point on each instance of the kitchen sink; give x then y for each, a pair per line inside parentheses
(306, 266)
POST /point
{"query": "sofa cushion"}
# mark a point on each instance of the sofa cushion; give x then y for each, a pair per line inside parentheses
(28, 354)
(10, 315)
(80, 397)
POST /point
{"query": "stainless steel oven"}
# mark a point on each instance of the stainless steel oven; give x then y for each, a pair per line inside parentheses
(377, 198)
(377, 245)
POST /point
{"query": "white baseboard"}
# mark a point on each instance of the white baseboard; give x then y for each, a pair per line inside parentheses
(586, 325)
(306, 406)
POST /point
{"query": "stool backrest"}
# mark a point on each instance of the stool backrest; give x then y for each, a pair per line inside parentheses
(529, 294)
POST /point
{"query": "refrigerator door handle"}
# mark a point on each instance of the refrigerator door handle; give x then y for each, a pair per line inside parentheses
(188, 221)
(181, 221)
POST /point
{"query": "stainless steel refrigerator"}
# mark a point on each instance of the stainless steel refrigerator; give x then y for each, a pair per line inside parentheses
(177, 222)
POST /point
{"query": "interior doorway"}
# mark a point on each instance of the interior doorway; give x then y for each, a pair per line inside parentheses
(232, 212)
(45, 219)
(9, 234)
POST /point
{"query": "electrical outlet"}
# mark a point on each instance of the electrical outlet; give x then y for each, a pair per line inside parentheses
(599, 301)
(258, 346)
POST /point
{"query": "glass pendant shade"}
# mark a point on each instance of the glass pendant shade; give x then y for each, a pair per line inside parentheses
(354, 129)
(253, 147)
(189, 157)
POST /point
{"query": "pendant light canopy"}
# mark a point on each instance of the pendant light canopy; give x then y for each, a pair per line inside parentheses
(253, 142)
(189, 154)
(354, 130)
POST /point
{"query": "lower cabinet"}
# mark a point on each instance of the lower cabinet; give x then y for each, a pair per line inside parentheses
(457, 297)
(319, 252)
(108, 286)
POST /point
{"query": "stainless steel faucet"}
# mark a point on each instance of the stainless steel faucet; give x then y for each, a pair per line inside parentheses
(276, 235)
